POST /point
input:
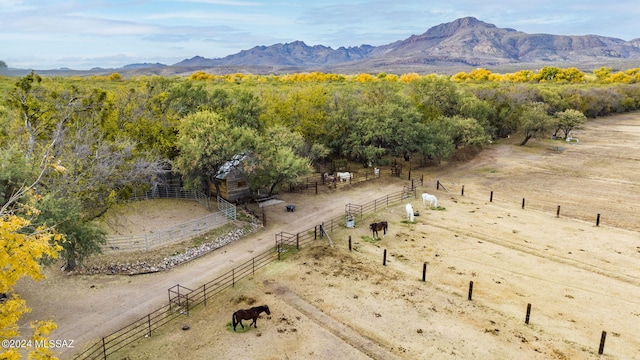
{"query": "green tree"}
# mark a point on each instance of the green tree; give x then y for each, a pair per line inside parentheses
(82, 238)
(534, 121)
(206, 141)
(569, 120)
(435, 96)
(465, 132)
(276, 160)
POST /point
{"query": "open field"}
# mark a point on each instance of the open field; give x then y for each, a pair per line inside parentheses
(326, 302)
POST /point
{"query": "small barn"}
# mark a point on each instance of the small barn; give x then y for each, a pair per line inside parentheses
(233, 182)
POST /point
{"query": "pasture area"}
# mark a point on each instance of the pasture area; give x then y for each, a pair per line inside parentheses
(580, 279)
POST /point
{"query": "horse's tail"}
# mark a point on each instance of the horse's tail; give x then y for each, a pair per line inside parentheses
(234, 321)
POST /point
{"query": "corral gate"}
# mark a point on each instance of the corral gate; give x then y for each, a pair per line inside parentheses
(227, 208)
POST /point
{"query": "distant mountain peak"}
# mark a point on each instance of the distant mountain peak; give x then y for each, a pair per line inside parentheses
(463, 42)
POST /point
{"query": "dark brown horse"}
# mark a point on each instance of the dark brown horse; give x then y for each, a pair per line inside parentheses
(249, 314)
(375, 227)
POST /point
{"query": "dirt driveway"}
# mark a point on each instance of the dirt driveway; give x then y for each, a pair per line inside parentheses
(581, 279)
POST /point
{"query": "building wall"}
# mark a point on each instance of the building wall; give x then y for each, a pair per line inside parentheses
(234, 187)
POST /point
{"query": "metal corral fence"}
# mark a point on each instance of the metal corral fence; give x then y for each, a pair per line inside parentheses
(175, 233)
(285, 240)
(318, 182)
(172, 192)
(165, 236)
(183, 299)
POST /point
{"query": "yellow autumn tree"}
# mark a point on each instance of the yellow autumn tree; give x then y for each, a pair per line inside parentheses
(21, 250)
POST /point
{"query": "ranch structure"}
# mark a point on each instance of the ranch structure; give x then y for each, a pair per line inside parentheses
(233, 183)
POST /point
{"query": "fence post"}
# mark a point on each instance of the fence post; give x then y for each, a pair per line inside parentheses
(233, 274)
(437, 184)
(526, 319)
(384, 258)
(523, 203)
(462, 190)
(558, 211)
(253, 265)
(204, 293)
(424, 272)
(349, 242)
(491, 196)
(315, 232)
(149, 322)
(603, 337)
(297, 241)
(104, 349)
(316, 188)
(598, 220)
(470, 290)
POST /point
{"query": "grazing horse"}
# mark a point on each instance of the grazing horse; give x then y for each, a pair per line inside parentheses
(248, 314)
(375, 227)
(431, 199)
(328, 178)
(344, 176)
(410, 213)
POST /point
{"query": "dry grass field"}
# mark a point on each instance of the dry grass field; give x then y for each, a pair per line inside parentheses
(328, 302)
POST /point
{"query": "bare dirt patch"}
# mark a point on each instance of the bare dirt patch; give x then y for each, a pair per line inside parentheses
(327, 302)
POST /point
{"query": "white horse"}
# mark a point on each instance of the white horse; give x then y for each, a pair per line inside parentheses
(344, 176)
(431, 199)
(410, 213)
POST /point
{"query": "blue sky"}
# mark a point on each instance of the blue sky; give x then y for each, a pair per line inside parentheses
(81, 34)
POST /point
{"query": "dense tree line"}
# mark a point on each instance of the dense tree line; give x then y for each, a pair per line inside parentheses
(71, 148)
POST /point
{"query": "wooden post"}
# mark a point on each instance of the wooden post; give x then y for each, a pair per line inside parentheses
(437, 184)
(264, 218)
(491, 196)
(470, 290)
(315, 232)
(462, 190)
(526, 319)
(204, 293)
(104, 348)
(297, 241)
(149, 322)
(253, 266)
(316, 188)
(558, 211)
(424, 272)
(598, 220)
(523, 203)
(233, 274)
(603, 337)
(384, 258)
(349, 242)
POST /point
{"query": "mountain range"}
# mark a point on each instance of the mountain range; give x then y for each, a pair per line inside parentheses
(460, 45)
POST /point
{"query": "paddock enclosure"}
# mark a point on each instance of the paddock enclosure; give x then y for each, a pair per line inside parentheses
(533, 254)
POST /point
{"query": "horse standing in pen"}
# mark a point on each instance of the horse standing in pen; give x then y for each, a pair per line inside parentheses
(375, 227)
(431, 199)
(410, 213)
(248, 314)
